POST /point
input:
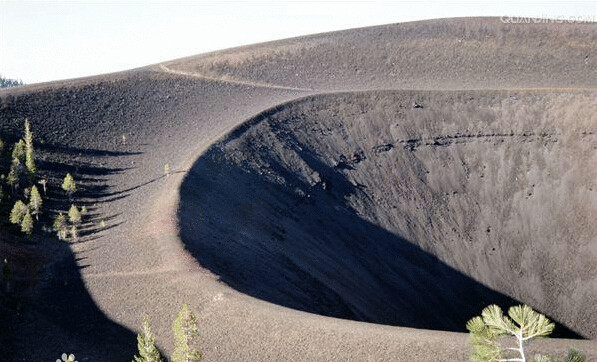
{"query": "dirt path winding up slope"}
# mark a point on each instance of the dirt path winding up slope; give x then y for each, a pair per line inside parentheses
(173, 239)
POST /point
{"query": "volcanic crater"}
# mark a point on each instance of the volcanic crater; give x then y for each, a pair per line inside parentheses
(412, 208)
(398, 178)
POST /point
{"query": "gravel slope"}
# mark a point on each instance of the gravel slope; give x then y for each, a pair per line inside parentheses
(141, 264)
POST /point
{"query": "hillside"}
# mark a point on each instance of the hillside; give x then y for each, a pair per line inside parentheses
(305, 186)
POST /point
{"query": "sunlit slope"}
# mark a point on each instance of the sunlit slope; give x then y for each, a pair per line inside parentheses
(447, 53)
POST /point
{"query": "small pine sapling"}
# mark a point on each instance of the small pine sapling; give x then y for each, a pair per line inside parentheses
(62, 234)
(18, 212)
(74, 234)
(29, 152)
(186, 330)
(35, 202)
(575, 356)
(74, 215)
(27, 223)
(148, 352)
(18, 152)
(28, 135)
(13, 176)
(69, 185)
(59, 226)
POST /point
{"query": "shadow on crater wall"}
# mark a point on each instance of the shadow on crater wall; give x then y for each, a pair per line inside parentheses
(268, 231)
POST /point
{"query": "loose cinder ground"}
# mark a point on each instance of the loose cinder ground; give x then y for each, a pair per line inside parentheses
(312, 212)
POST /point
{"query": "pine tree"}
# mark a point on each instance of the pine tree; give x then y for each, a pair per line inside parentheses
(35, 202)
(148, 352)
(14, 175)
(27, 223)
(59, 226)
(30, 162)
(185, 330)
(29, 153)
(18, 152)
(74, 216)
(485, 347)
(74, 234)
(18, 212)
(28, 134)
(62, 234)
(522, 323)
(12, 178)
(69, 185)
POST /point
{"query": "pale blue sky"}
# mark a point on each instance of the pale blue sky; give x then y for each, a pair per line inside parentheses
(50, 40)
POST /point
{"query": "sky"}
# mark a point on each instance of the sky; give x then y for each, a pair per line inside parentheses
(51, 40)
